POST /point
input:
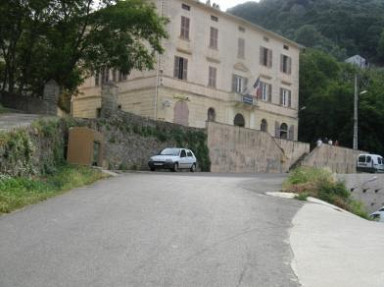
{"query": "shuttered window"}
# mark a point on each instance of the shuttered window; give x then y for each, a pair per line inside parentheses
(266, 57)
(212, 77)
(180, 68)
(285, 64)
(184, 29)
(266, 92)
(285, 97)
(239, 84)
(213, 39)
(241, 48)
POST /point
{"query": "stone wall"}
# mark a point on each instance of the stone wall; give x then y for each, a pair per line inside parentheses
(293, 150)
(37, 149)
(47, 104)
(366, 188)
(338, 159)
(235, 149)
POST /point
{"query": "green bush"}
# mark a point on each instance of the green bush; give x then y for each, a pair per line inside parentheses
(321, 183)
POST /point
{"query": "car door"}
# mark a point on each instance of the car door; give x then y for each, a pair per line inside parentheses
(183, 159)
(190, 158)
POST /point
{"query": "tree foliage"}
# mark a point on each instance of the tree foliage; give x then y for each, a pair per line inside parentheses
(327, 92)
(67, 40)
(342, 28)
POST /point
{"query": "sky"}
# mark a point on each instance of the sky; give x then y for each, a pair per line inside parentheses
(225, 4)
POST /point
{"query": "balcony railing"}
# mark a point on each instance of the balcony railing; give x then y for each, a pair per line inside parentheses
(246, 99)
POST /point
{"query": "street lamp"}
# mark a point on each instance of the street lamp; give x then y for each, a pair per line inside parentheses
(355, 115)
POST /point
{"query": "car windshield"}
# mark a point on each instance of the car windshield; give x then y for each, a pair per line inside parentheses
(170, 151)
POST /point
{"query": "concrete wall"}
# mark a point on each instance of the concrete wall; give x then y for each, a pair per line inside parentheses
(293, 150)
(367, 188)
(235, 149)
(338, 159)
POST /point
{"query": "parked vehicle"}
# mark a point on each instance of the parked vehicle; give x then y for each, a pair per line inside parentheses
(173, 159)
(378, 215)
(370, 163)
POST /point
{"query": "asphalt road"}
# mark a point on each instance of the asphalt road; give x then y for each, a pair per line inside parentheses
(153, 229)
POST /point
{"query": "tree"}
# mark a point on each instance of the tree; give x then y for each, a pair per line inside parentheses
(68, 40)
(380, 47)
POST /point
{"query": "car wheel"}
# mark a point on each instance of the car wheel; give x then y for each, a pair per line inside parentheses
(193, 168)
(175, 167)
(152, 169)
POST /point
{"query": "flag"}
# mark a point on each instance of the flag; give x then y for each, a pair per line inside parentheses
(257, 86)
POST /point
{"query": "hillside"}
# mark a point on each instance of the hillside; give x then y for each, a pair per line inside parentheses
(340, 27)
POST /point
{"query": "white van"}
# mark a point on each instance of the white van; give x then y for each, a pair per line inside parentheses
(370, 163)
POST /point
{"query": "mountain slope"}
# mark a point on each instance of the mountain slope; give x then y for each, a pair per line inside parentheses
(340, 27)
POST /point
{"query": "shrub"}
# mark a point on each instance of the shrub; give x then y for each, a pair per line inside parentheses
(322, 184)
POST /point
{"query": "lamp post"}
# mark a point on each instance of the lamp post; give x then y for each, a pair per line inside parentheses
(355, 115)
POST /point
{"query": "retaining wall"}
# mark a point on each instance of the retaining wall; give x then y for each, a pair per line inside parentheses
(367, 188)
(338, 159)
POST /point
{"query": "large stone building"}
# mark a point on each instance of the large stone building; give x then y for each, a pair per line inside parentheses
(215, 67)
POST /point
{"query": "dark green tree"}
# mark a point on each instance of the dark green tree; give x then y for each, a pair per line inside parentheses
(68, 40)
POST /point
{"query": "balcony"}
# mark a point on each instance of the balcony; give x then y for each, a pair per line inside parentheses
(246, 101)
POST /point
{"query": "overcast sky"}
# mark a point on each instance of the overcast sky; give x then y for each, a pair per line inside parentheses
(225, 4)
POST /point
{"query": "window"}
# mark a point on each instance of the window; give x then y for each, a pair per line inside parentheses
(241, 29)
(181, 67)
(183, 153)
(212, 77)
(264, 125)
(285, 97)
(211, 115)
(241, 48)
(266, 91)
(189, 154)
(184, 29)
(265, 57)
(285, 64)
(239, 84)
(214, 34)
(284, 131)
(186, 7)
(214, 18)
(286, 47)
(239, 120)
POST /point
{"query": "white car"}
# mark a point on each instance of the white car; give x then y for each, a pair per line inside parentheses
(173, 159)
(378, 215)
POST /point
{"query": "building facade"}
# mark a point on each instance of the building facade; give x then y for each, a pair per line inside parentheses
(216, 67)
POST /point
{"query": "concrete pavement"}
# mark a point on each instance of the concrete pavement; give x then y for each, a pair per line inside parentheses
(153, 229)
(333, 247)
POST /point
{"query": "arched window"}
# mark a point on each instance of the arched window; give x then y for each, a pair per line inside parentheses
(284, 131)
(239, 120)
(211, 115)
(264, 125)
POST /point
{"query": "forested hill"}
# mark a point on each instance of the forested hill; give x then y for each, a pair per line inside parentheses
(340, 27)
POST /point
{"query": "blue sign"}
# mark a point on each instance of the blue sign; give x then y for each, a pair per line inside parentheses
(248, 100)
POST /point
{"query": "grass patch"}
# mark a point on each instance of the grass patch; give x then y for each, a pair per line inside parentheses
(322, 184)
(17, 192)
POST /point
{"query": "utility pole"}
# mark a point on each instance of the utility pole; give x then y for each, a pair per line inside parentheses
(355, 116)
